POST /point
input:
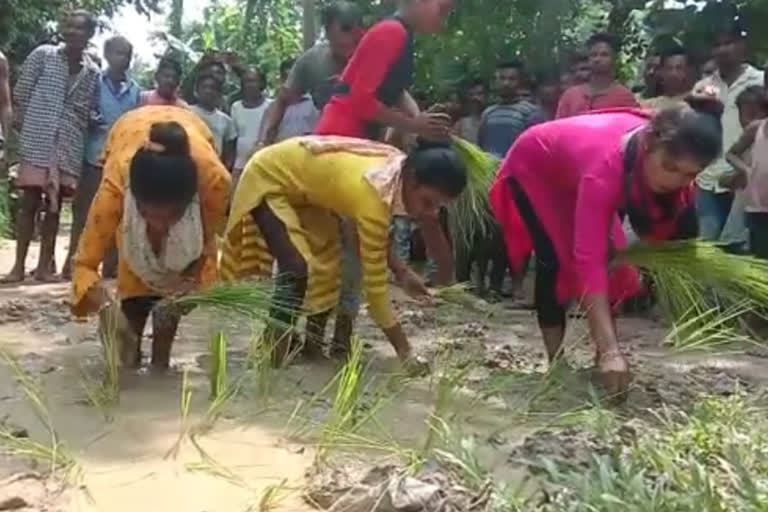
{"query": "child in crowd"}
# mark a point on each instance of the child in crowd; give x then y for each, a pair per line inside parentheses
(749, 157)
(167, 80)
(248, 115)
(209, 94)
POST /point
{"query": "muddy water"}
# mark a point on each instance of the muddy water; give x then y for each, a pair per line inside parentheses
(124, 460)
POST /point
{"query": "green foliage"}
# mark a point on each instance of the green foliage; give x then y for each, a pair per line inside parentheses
(714, 458)
(26, 23)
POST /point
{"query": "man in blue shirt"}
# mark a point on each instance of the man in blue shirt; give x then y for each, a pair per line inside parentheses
(118, 94)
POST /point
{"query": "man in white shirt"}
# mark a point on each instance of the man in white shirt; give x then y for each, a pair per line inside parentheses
(248, 115)
(733, 75)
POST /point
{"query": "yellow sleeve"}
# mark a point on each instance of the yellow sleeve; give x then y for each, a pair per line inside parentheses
(214, 191)
(373, 233)
(103, 222)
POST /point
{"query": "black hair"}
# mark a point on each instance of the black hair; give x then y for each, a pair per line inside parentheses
(112, 41)
(171, 64)
(347, 14)
(166, 174)
(578, 57)
(547, 77)
(437, 165)
(256, 71)
(729, 30)
(286, 65)
(475, 82)
(696, 131)
(604, 38)
(675, 50)
(91, 22)
(204, 67)
(753, 95)
(511, 64)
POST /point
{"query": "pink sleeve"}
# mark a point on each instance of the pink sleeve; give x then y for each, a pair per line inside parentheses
(373, 59)
(593, 228)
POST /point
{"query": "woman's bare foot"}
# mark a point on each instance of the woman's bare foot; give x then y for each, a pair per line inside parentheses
(16, 275)
(46, 276)
(614, 374)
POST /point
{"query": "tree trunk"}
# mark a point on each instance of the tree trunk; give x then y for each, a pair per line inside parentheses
(308, 23)
(175, 17)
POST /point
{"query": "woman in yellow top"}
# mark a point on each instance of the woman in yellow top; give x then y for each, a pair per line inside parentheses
(287, 207)
(162, 198)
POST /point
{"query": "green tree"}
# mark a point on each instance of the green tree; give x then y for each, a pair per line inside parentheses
(26, 23)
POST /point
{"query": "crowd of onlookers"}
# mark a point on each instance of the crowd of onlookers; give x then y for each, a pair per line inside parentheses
(64, 104)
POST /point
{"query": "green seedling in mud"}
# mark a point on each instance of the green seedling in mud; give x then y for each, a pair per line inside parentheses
(117, 347)
(273, 495)
(217, 372)
(711, 458)
(349, 391)
(55, 454)
(184, 406)
(211, 467)
(449, 381)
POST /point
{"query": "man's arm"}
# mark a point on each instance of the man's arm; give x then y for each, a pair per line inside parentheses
(30, 71)
(6, 110)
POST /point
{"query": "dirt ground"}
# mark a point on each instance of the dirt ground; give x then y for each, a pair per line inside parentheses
(255, 446)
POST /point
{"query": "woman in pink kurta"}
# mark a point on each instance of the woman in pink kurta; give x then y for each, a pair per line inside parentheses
(564, 189)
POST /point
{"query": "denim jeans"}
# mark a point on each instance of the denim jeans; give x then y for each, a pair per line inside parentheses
(758, 234)
(351, 269)
(712, 210)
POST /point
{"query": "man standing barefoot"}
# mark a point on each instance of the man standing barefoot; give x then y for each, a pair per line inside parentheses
(54, 97)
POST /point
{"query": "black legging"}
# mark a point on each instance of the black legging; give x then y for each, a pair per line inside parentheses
(291, 284)
(549, 311)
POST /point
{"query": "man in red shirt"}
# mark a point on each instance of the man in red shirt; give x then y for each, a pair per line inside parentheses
(372, 93)
(602, 91)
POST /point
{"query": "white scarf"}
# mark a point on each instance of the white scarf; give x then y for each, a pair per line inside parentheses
(182, 247)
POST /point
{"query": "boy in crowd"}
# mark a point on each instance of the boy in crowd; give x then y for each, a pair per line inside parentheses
(602, 91)
(748, 220)
(167, 80)
(468, 126)
(548, 93)
(316, 70)
(53, 98)
(208, 91)
(118, 94)
(500, 126)
(300, 115)
(676, 72)
(652, 83)
(733, 75)
(248, 115)
(503, 122)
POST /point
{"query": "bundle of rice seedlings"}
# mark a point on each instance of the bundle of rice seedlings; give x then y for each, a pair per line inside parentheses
(470, 214)
(693, 275)
(459, 294)
(251, 299)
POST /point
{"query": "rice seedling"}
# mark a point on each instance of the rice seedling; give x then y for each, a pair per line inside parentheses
(250, 299)
(709, 329)
(447, 383)
(210, 466)
(349, 391)
(273, 495)
(470, 215)
(184, 406)
(55, 453)
(217, 371)
(459, 294)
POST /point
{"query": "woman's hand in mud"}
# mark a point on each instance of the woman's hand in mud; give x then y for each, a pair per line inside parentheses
(435, 126)
(414, 286)
(96, 299)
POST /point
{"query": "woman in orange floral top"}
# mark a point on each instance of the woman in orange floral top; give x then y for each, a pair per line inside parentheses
(163, 196)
